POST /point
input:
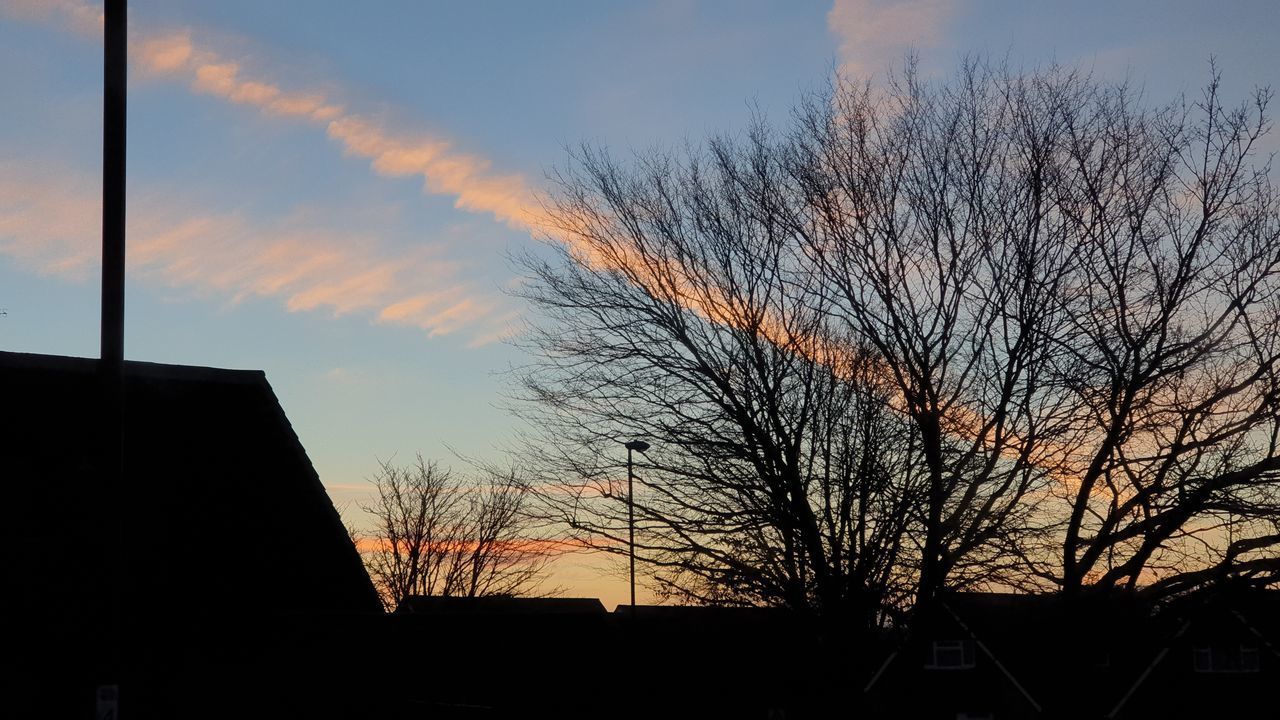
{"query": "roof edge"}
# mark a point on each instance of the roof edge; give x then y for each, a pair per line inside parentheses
(132, 368)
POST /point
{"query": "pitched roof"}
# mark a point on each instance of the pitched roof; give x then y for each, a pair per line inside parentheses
(219, 513)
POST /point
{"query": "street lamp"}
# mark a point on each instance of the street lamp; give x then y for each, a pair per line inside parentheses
(639, 446)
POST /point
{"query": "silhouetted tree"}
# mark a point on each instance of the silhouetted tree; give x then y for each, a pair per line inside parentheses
(684, 312)
(1012, 328)
(932, 224)
(1170, 339)
(435, 533)
(1072, 297)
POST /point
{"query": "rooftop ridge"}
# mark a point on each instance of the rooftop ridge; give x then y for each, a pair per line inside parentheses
(132, 368)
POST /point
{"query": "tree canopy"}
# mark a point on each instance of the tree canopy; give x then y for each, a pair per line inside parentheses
(1005, 329)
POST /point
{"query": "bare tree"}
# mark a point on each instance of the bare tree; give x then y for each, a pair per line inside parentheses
(1012, 328)
(682, 310)
(932, 226)
(1172, 338)
(434, 533)
(1074, 297)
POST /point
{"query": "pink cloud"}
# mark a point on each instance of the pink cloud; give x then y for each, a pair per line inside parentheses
(53, 226)
(50, 223)
(79, 17)
(874, 34)
(445, 170)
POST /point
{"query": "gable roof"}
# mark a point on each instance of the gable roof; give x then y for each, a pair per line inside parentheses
(219, 511)
(1224, 615)
(959, 611)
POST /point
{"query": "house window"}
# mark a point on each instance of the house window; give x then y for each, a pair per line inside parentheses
(951, 655)
(1225, 658)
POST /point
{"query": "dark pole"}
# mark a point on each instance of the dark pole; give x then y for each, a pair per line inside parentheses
(111, 364)
(115, 72)
(642, 446)
(631, 531)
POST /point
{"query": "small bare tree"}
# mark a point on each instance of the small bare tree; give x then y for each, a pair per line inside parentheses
(435, 533)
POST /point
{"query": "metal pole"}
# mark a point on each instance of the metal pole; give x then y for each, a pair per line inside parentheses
(631, 531)
(111, 365)
(115, 72)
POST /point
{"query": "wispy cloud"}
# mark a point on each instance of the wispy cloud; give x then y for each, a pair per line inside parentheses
(52, 225)
(50, 222)
(874, 34)
(177, 55)
(445, 170)
(79, 17)
(173, 54)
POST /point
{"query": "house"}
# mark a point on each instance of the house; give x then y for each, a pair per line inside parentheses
(176, 582)
(567, 657)
(489, 606)
(1012, 656)
(1220, 657)
(945, 666)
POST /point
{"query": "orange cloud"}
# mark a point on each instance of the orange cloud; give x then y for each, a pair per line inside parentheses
(165, 54)
(530, 546)
(444, 171)
(50, 222)
(174, 54)
(52, 226)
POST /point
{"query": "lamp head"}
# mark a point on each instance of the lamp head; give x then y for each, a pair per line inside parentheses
(637, 445)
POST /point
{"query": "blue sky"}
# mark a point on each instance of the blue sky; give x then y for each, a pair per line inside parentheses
(328, 191)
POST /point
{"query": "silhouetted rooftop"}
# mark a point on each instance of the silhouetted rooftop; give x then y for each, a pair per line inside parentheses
(499, 605)
(220, 520)
(698, 613)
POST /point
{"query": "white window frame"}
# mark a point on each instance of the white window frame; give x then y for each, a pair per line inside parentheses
(1213, 659)
(947, 649)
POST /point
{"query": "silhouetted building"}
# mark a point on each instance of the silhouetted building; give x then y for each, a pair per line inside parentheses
(499, 605)
(998, 655)
(218, 581)
(1219, 657)
(219, 539)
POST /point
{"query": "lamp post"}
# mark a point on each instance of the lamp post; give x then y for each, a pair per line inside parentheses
(640, 446)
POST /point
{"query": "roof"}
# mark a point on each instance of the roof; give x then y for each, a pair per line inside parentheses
(702, 613)
(1223, 616)
(1024, 646)
(220, 511)
(499, 605)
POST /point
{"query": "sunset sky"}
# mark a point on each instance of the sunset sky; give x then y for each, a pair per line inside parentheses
(329, 191)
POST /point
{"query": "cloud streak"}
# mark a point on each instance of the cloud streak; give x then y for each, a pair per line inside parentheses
(50, 223)
(444, 170)
(173, 54)
(79, 17)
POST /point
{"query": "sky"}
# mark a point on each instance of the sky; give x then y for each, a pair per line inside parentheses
(330, 191)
